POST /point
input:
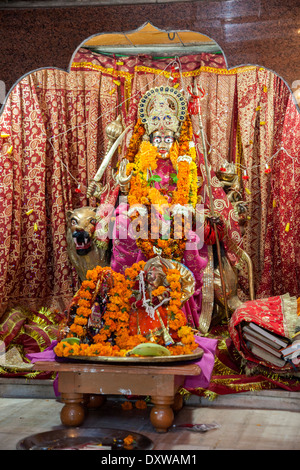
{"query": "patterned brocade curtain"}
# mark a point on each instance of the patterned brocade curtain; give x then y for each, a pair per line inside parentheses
(269, 127)
(281, 268)
(52, 146)
(56, 125)
(255, 103)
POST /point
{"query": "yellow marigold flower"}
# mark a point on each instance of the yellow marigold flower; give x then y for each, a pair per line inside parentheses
(77, 329)
(185, 330)
(160, 290)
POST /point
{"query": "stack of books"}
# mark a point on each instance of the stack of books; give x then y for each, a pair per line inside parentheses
(266, 345)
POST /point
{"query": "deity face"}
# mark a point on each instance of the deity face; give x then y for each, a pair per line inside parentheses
(163, 141)
(154, 278)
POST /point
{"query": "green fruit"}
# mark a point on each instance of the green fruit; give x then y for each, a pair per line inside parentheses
(71, 340)
(149, 349)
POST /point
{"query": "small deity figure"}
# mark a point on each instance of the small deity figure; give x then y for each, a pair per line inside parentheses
(153, 296)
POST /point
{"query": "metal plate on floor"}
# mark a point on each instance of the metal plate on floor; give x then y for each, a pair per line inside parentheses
(101, 439)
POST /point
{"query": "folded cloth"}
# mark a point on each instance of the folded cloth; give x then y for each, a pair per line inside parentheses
(206, 364)
(47, 355)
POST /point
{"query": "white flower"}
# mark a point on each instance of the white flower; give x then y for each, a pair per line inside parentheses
(157, 251)
(184, 158)
(140, 209)
(182, 210)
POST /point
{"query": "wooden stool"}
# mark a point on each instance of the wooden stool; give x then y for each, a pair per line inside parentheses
(160, 382)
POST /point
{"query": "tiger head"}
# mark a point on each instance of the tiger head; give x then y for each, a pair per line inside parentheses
(81, 223)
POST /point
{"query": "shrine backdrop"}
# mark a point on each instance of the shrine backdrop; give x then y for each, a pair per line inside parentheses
(53, 142)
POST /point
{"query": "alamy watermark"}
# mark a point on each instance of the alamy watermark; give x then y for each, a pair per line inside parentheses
(161, 222)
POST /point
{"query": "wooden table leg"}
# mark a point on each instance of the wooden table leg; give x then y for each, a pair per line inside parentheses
(178, 402)
(161, 414)
(72, 414)
(95, 401)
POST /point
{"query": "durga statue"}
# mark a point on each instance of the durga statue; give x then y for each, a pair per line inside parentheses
(151, 289)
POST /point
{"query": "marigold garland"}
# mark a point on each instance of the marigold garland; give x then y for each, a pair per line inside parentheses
(141, 193)
(116, 316)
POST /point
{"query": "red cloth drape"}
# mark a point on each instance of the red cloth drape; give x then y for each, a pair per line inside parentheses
(268, 121)
(277, 314)
(281, 269)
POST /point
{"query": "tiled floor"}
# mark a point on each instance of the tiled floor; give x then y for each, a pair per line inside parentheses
(242, 426)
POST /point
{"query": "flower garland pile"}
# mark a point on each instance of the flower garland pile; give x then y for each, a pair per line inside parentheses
(114, 337)
(183, 156)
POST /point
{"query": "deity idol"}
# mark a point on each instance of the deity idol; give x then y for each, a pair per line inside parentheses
(160, 180)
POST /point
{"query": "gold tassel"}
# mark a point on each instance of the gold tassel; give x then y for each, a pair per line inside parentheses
(209, 394)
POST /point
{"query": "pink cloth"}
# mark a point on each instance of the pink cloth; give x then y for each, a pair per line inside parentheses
(206, 363)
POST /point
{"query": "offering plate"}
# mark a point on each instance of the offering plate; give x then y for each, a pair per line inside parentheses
(84, 439)
(197, 354)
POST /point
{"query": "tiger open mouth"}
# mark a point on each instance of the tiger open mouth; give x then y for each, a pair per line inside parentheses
(82, 242)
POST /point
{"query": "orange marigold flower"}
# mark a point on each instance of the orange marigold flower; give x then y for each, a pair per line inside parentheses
(128, 440)
(80, 320)
(88, 285)
(77, 329)
(141, 404)
(127, 405)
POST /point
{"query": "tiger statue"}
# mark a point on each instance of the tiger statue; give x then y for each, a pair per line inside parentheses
(83, 248)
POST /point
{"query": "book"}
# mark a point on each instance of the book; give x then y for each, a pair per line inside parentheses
(279, 340)
(265, 356)
(246, 329)
(290, 350)
(263, 345)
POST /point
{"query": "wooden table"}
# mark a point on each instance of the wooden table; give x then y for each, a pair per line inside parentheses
(160, 382)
